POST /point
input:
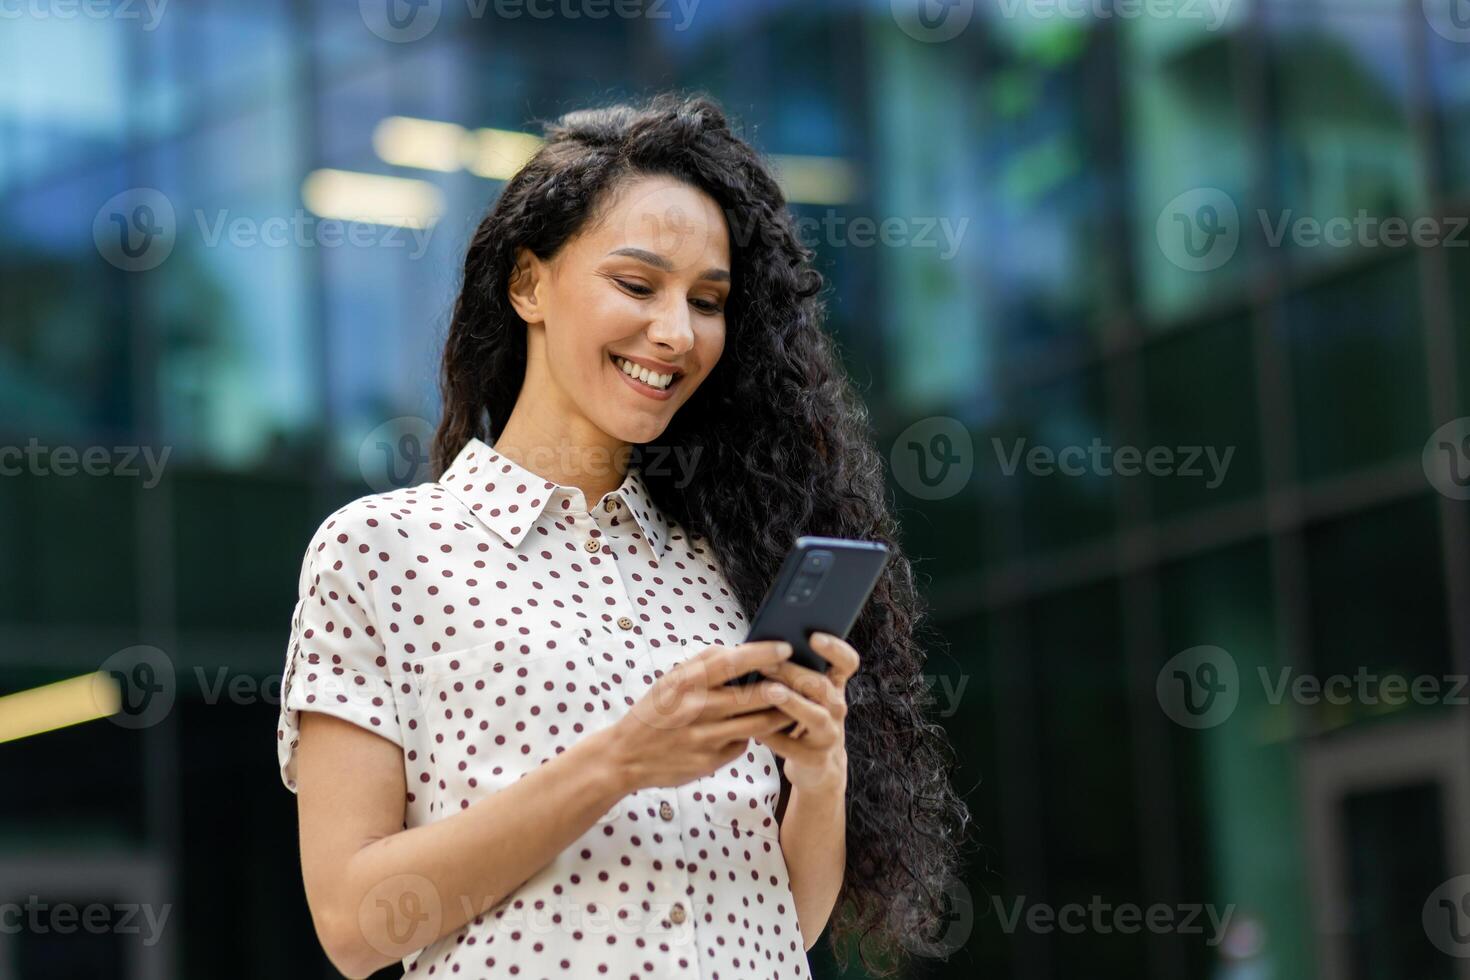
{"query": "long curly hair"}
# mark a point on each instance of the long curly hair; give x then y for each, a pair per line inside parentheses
(784, 448)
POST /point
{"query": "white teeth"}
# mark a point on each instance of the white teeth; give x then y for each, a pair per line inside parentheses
(650, 378)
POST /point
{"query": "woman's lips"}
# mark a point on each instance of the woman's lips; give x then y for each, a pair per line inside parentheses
(657, 394)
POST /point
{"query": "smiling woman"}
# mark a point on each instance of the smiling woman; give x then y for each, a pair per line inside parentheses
(504, 707)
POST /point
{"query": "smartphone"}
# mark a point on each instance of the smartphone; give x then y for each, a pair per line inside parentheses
(822, 586)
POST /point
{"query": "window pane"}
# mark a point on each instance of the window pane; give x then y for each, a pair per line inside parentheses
(1048, 186)
(924, 165)
(1449, 65)
(1084, 735)
(227, 54)
(66, 344)
(1191, 165)
(941, 523)
(1042, 460)
(1343, 136)
(64, 101)
(1356, 354)
(1396, 859)
(1458, 261)
(69, 545)
(1377, 605)
(1243, 818)
(256, 588)
(229, 305)
(1201, 398)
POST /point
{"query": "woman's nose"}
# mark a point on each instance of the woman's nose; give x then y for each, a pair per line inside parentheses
(671, 328)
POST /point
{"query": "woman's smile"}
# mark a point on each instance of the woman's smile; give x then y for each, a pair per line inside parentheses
(650, 384)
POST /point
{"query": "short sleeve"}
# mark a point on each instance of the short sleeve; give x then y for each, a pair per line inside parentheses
(335, 659)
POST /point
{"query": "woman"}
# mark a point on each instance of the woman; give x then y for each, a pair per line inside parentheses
(504, 709)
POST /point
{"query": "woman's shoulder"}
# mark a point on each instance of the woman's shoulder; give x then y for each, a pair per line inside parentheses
(377, 518)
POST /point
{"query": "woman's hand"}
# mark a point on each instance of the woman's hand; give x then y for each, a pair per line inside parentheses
(815, 750)
(689, 723)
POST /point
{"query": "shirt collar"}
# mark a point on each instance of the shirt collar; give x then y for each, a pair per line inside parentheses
(491, 486)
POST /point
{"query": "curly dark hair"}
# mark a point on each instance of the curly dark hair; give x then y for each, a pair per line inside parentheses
(784, 448)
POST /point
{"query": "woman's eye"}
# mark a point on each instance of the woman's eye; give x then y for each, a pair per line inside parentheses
(636, 288)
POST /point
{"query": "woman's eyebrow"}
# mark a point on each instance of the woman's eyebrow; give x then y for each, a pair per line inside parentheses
(663, 264)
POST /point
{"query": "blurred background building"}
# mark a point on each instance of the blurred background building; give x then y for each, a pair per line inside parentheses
(1048, 225)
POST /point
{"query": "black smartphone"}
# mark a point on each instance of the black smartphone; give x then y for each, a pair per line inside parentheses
(822, 586)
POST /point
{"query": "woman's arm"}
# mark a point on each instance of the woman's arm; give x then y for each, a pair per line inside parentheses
(814, 841)
(814, 763)
(369, 882)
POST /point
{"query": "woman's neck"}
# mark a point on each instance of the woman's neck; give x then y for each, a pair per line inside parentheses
(592, 462)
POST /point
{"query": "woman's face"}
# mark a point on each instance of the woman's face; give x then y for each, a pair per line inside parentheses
(641, 289)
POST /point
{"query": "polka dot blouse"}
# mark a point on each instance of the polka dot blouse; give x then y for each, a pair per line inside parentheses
(486, 622)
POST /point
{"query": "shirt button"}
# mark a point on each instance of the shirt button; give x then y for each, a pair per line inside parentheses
(593, 544)
(677, 915)
(610, 506)
(666, 810)
(625, 623)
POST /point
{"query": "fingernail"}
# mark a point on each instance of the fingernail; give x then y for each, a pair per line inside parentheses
(785, 649)
(820, 639)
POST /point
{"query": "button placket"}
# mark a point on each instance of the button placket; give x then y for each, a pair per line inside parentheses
(668, 823)
(625, 622)
(590, 543)
(614, 599)
(679, 870)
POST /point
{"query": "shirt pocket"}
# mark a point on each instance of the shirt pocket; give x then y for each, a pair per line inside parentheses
(492, 713)
(663, 655)
(740, 797)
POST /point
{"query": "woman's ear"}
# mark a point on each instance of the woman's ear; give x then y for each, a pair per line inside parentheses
(525, 281)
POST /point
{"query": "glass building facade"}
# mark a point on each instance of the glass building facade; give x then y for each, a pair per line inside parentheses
(229, 238)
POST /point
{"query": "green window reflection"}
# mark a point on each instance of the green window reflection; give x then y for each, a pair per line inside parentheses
(1355, 349)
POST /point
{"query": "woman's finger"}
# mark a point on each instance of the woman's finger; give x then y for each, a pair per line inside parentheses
(744, 727)
(839, 653)
(815, 717)
(791, 748)
(813, 684)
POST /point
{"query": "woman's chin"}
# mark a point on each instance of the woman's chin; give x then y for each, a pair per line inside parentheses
(631, 427)
(641, 431)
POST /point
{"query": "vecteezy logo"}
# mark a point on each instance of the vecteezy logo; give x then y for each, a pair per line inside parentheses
(401, 914)
(933, 21)
(135, 230)
(396, 454)
(1199, 230)
(951, 929)
(1446, 917)
(1199, 688)
(400, 21)
(1446, 459)
(1449, 18)
(933, 458)
(146, 685)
